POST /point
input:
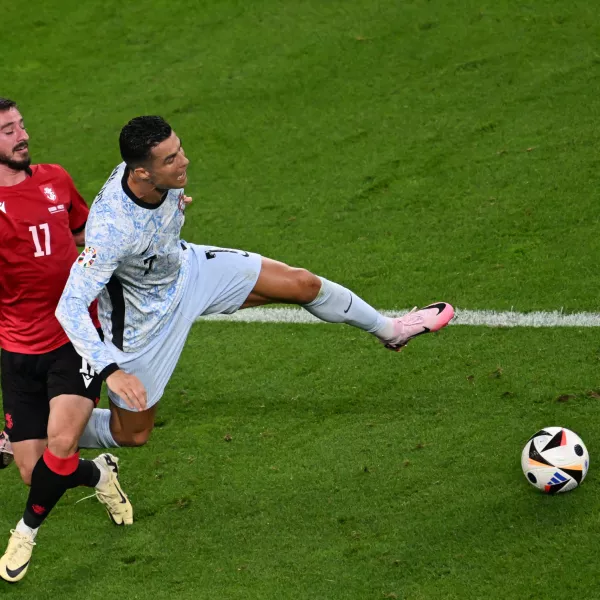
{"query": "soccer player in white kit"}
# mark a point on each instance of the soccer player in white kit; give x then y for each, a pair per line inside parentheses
(152, 285)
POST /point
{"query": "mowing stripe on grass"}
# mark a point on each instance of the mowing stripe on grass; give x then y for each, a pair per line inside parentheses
(488, 318)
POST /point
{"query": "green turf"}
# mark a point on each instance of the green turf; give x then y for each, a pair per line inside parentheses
(414, 151)
(266, 481)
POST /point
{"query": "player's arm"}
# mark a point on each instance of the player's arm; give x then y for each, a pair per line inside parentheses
(90, 273)
(79, 237)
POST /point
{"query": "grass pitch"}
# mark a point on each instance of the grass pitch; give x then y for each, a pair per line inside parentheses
(413, 151)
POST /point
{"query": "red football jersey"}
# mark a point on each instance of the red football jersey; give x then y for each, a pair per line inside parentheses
(37, 220)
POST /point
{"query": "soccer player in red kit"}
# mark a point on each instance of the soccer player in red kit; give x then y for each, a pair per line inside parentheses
(48, 390)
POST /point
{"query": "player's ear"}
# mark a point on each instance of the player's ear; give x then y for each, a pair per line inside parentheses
(142, 174)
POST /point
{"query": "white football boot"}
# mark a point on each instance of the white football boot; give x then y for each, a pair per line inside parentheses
(110, 493)
(15, 562)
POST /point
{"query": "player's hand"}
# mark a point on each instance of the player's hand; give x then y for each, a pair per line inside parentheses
(187, 199)
(129, 388)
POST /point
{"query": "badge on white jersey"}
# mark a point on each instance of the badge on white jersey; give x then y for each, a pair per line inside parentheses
(87, 257)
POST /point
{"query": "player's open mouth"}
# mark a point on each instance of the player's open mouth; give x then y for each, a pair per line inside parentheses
(182, 176)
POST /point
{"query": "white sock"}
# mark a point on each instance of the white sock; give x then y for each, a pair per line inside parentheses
(103, 477)
(336, 304)
(97, 432)
(22, 528)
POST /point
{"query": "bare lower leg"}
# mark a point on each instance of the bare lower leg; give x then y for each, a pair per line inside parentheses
(69, 415)
(26, 454)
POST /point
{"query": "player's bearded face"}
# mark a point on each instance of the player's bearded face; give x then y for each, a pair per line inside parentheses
(14, 141)
(169, 164)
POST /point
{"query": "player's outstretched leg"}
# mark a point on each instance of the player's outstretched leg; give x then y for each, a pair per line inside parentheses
(6, 452)
(333, 303)
(110, 493)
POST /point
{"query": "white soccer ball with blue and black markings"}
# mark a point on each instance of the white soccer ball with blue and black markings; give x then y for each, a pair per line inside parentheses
(555, 460)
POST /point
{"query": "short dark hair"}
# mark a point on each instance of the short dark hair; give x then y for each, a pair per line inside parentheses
(6, 104)
(138, 138)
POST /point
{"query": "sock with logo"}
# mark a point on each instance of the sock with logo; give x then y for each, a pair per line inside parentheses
(336, 304)
(52, 476)
(97, 433)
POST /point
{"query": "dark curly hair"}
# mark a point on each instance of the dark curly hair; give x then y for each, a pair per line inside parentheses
(138, 138)
(6, 104)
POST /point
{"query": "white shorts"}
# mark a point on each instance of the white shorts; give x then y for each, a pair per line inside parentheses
(219, 281)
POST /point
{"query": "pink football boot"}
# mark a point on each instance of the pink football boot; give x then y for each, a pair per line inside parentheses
(6, 453)
(417, 322)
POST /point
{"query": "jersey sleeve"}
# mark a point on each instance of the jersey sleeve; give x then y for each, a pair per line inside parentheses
(107, 244)
(78, 209)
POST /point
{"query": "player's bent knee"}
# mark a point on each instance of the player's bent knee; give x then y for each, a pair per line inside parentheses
(131, 428)
(307, 285)
(63, 444)
(132, 438)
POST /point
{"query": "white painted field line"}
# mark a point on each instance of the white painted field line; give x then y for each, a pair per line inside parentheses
(488, 318)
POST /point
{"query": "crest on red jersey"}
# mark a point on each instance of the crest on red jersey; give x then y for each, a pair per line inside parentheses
(49, 192)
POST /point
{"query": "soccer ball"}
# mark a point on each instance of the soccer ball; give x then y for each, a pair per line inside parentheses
(555, 460)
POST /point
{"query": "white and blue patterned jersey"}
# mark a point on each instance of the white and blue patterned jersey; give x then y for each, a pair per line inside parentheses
(135, 264)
